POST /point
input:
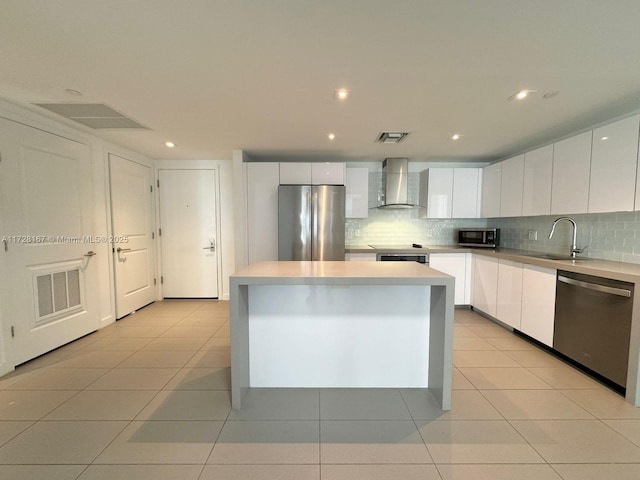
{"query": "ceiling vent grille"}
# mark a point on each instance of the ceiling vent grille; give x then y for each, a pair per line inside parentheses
(93, 115)
(392, 137)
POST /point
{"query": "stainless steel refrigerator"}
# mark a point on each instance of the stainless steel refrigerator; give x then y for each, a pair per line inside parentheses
(311, 222)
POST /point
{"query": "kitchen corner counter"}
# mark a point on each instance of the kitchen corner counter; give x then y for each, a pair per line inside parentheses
(323, 324)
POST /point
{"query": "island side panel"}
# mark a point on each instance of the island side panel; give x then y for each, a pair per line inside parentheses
(441, 344)
(239, 320)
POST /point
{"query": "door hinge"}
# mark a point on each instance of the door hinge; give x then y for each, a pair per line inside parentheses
(154, 281)
(159, 232)
(151, 188)
(161, 280)
(6, 244)
(153, 235)
(158, 183)
(13, 331)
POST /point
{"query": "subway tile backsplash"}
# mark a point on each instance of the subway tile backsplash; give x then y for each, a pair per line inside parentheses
(609, 236)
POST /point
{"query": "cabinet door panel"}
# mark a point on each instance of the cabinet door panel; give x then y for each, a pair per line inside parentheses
(485, 284)
(538, 303)
(614, 161)
(454, 264)
(357, 193)
(262, 211)
(491, 188)
(327, 173)
(509, 299)
(295, 173)
(536, 193)
(466, 189)
(438, 192)
(571, 174)
(511, 187)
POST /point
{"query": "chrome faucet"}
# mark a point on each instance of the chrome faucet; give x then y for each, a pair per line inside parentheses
(574, 248)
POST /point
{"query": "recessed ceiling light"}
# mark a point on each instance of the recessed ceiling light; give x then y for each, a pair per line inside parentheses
(73, 92)
(552, 94)
(170, 144)
(331, 136)
(521, 95)
(341, 94)
(456, 136)
(604, 138)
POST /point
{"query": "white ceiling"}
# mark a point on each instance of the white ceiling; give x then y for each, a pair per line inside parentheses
(219, 75)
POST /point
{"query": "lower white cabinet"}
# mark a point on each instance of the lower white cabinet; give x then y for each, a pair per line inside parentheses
(509, 298)
(484, 287)
(363, 257)
(457, 265)
(538, 303)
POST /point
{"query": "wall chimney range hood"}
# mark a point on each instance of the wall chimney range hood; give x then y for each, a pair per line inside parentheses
(396, 184)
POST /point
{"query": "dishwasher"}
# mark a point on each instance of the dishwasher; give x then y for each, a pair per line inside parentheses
(593, 325)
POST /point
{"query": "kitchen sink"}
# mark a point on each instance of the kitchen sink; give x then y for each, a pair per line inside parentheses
(552, 256)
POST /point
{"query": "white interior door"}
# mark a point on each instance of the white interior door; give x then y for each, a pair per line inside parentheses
(133, 242)
(189, 230)
(50, 284)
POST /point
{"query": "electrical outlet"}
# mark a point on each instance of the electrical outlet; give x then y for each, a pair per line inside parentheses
(533, 235)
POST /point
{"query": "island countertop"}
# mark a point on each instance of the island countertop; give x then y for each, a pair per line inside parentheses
(363, 273)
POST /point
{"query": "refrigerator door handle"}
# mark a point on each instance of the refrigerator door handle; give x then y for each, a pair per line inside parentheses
(314, 229)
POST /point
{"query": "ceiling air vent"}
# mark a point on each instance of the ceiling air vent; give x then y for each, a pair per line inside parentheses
(93, 115)
(391, 137)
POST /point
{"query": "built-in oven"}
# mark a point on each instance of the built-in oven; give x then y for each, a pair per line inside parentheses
(479, 237)
(403, 257)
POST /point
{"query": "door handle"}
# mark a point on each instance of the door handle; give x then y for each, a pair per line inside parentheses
(90, 253)
(211, 247)
(122, 249)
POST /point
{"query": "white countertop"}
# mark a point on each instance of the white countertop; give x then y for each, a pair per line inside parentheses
(339, 272)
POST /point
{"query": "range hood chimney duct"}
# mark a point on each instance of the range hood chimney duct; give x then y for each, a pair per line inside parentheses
(396, 184)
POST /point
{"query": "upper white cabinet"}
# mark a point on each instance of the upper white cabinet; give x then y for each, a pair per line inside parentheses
(295, 173)
(466, 192)
(262, 211)
(436, 192)
(327, 173)
(491, 188)
(614, 159)
(317, 173)
(357, 193)
(511, 187)
(536, 192)
(450, 192)
(571, 174)
(538, 303)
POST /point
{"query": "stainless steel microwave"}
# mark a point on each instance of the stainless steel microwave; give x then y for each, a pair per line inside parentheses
(479, 237)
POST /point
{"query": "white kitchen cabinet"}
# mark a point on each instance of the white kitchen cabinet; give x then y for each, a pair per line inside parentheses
(357, 193)
(511, 186)
(457, 265)
(466, 192)
(484, 287)
(360, 257)
(538, 303)
(450, 192)
(509, 298)
(614, 161)
(325, 173)
(262, 211)
(491, 189)
(436, 192)
(538, 172)
(571, 174)
(295, 173)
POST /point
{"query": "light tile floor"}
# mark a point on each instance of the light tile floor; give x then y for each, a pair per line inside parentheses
(148, 398)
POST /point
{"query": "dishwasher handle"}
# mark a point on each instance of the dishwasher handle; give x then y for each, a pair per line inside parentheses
(622, 292)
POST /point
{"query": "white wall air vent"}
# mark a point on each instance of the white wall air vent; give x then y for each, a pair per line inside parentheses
(93, 115)
(392, 137)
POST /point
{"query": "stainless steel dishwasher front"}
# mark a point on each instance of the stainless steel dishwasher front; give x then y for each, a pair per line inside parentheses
(593, 324)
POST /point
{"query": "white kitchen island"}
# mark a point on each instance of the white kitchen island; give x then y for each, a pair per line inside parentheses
(341, 324)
